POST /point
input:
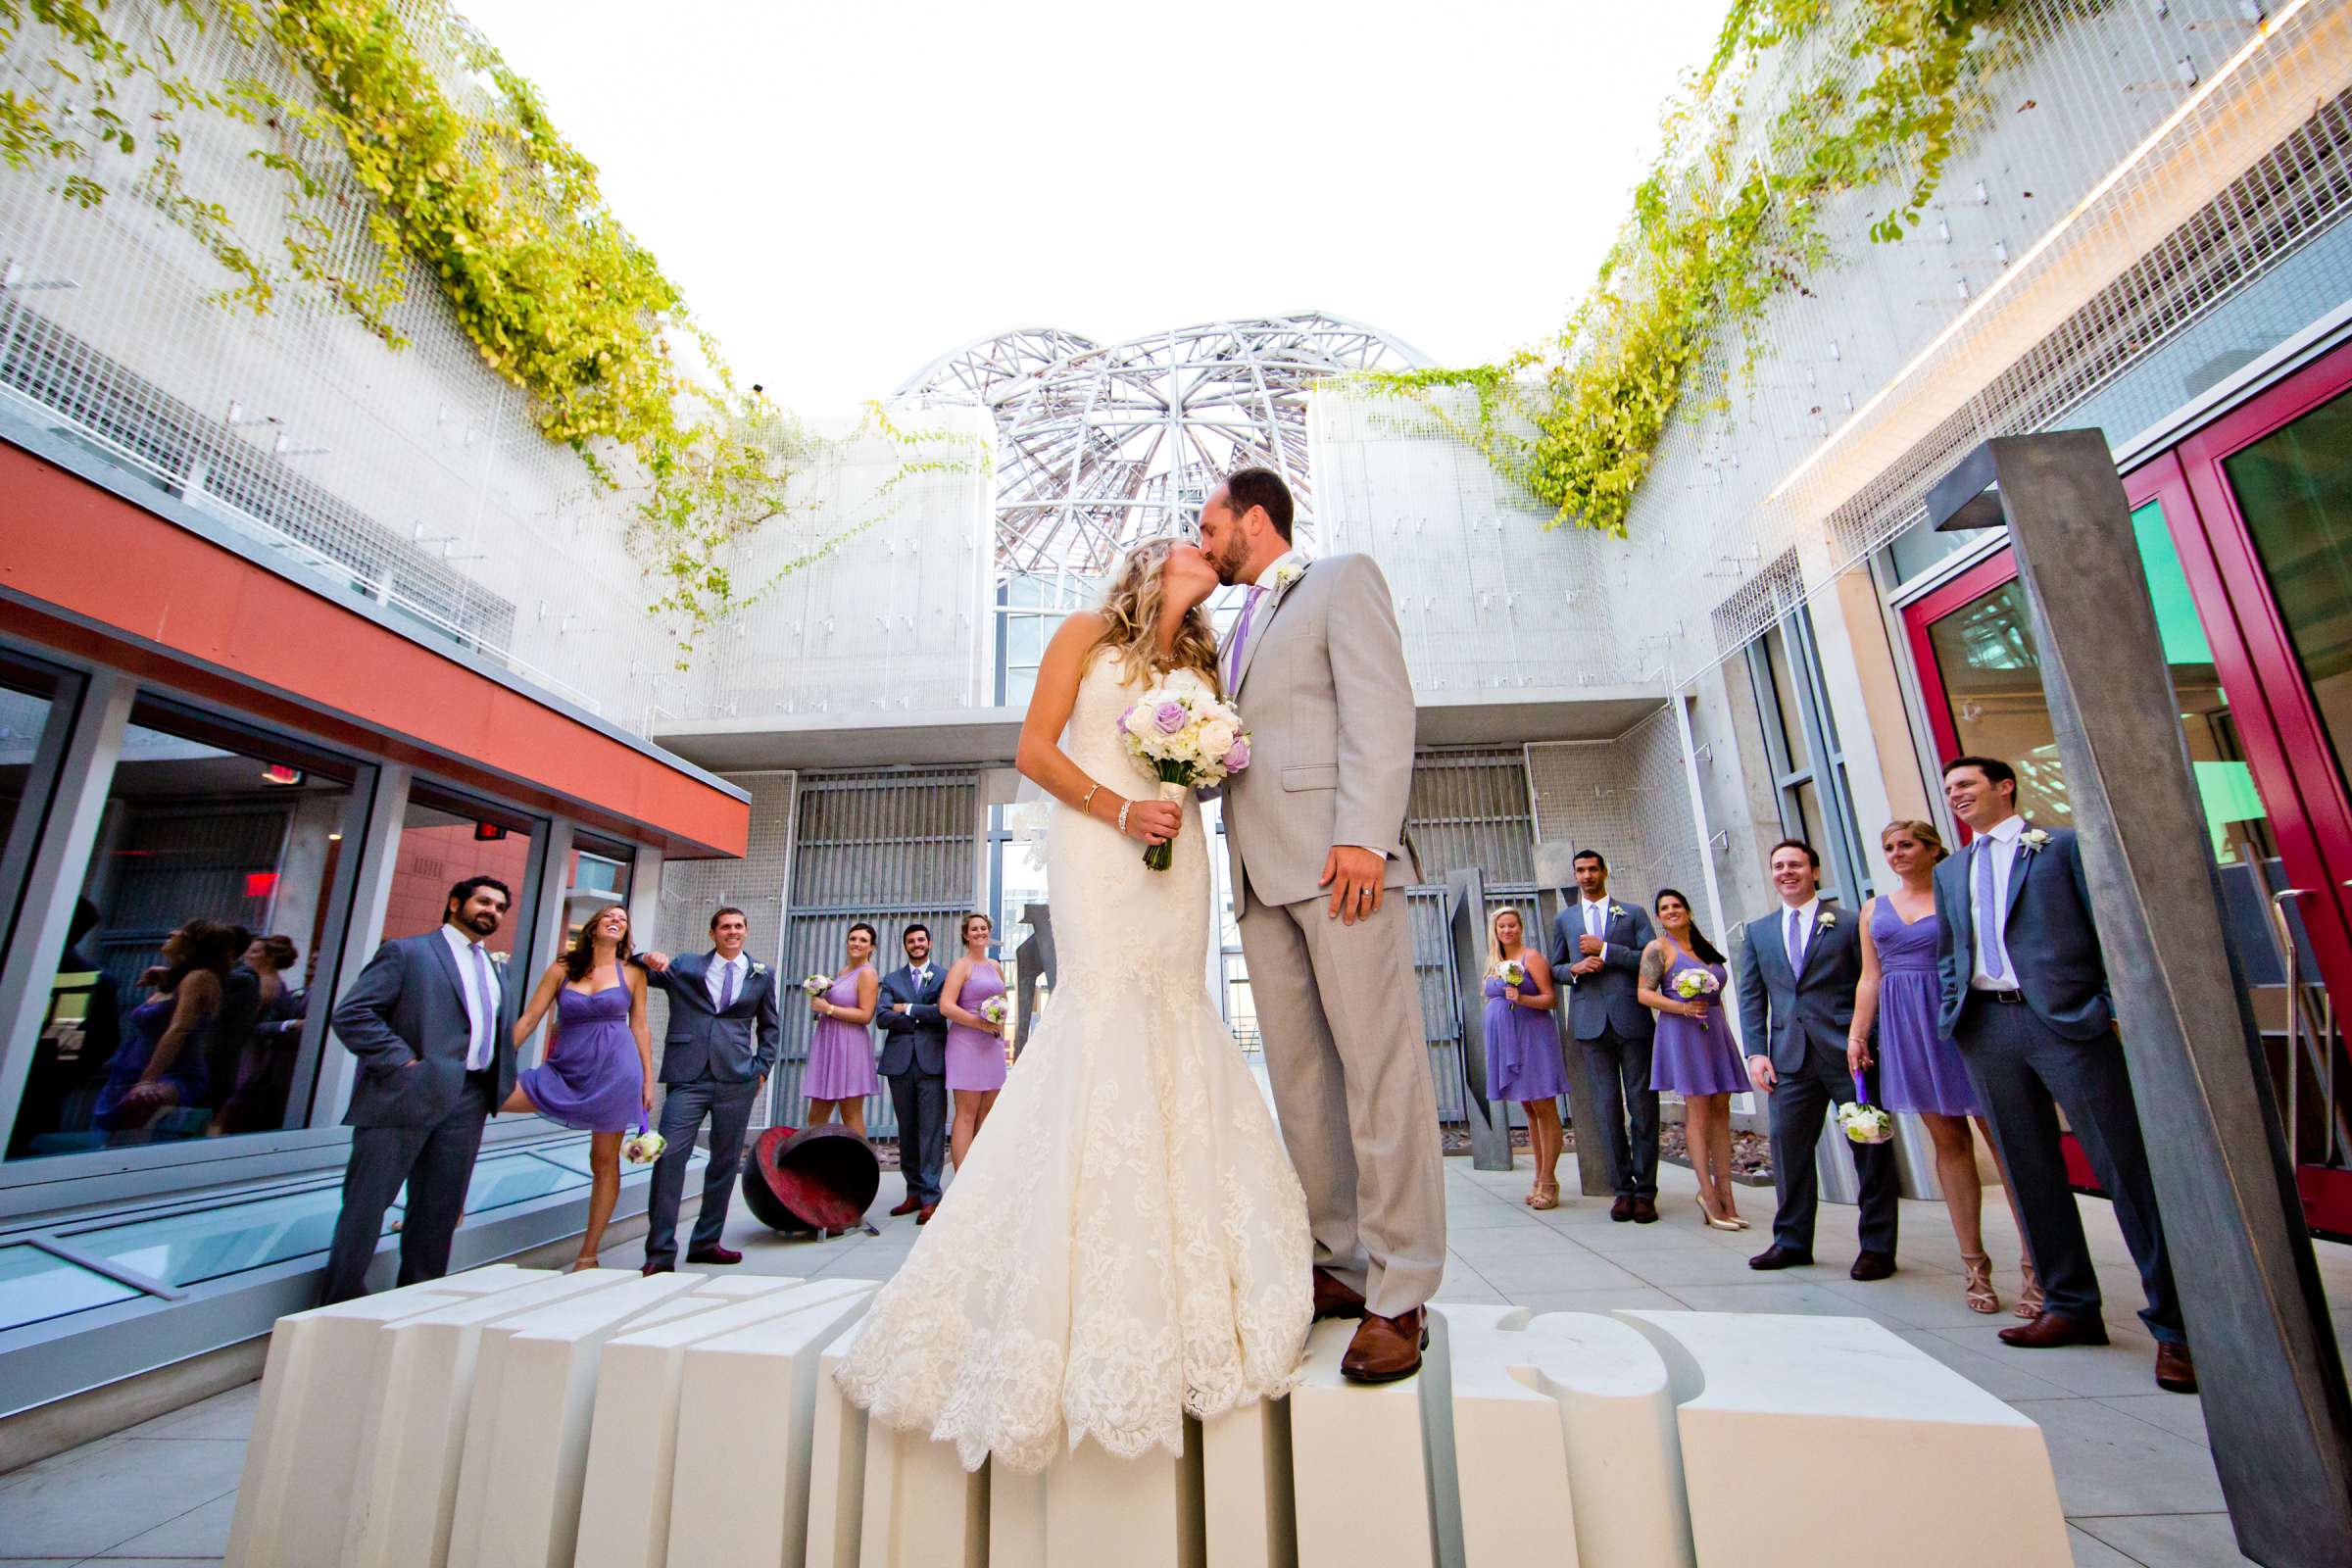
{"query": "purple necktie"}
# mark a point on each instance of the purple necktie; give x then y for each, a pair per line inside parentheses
(1241, 640)
(1988, 918)
(727, 986)
(482, 1025)
(1797, 942)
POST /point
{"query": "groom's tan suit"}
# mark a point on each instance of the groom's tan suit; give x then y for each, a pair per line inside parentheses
(1322, 685)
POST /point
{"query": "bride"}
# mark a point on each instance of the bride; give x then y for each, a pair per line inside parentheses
(1128, 1243)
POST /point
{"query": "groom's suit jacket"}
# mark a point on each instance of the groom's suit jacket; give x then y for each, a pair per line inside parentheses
(2048, 930)
(1324, 693)
(735, 1047)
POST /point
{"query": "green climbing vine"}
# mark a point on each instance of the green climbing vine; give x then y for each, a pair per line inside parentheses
(1723, 223)
(465, 180)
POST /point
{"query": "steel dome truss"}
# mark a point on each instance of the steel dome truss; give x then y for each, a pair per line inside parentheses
(1101, 445)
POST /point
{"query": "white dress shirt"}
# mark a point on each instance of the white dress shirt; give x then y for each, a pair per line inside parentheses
(1596, 921)
(1806, 914)
(1262, 591)
(716, 979)
(2000, 842)
(481, 1011)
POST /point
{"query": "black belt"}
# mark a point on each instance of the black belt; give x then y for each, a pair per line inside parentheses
(2013, 998)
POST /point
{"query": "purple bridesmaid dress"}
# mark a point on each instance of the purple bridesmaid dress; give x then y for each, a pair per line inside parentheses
(591, 1081)
(1919, 1069)
(1523, 1049)
(1690, 1056)
(977, 1058)
(841, 1055)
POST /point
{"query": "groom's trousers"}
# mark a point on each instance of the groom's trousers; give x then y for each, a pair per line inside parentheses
(1339, 1008)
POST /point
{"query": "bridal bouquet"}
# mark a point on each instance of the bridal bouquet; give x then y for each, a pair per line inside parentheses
(1184, 737)
(1693, 985)
(1864, 1122)
(816, 985)
(993, 1009)
(643, 1147)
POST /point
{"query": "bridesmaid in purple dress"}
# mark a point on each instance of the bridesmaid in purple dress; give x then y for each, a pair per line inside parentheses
(840, 1053)
(1524, 1063)
(976, 1047)
(1693, 1054)
(1919, 1069)
(597, 1073)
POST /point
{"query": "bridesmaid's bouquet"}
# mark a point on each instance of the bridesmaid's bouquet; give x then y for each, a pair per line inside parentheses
(1184, 737)
(643, 1147)
(816, 985)
(1864, 1122)
(992, 1009)
(1511, 972)
(1693, 985)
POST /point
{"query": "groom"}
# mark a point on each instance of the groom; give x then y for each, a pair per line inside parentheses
(1316, 830)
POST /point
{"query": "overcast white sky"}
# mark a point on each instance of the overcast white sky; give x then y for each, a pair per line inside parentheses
(847, 188)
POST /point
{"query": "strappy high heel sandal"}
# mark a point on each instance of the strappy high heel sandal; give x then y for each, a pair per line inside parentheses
(1545, 1196)
(2028, 1299)
(1981, 1294)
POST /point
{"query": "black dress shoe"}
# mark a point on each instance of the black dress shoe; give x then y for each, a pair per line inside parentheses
(1778, 1257)
(1622, 1211)
(1872, 1265)
(1646, 1211)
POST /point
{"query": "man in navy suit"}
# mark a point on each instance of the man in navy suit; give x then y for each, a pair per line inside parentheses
(1597, 945)
(1798, 972)
(431, 1019)
(723, 1031)
(914, 1060)
(2025, 995)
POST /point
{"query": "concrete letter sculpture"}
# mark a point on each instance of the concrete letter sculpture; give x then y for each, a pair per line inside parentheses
(604, 1420)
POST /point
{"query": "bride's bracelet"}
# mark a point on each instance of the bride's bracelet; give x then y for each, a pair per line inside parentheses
(1123, 805)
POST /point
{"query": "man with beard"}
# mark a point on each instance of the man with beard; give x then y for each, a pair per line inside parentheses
(432, 1022)
(915, 1064)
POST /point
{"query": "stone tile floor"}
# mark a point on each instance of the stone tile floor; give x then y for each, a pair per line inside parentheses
(2134, 1473)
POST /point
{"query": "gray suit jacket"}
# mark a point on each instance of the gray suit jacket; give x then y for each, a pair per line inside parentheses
(734, 1046)
(916, 1040)
(1779, 1013)
(1607, 999)
(2052, 937)
(1324, 692)
(409, 1006)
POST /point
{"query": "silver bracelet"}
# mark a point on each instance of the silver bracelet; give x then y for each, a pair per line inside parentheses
(1123, 805)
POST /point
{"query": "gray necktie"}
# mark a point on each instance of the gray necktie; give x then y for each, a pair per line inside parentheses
(727, 986)
(1796, 941)
(1988, 918)
(478, 1053)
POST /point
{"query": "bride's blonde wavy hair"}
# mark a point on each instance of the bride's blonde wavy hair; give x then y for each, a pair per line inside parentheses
(1131, 618)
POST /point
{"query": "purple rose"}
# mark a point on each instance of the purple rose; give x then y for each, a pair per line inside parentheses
(1172, 716)
(1239, 757)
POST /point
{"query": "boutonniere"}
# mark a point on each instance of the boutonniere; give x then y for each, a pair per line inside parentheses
(499, 959)
(2034, 838)
(1829, 918)
(758, 968)
(1616, 909)
(1289, 573)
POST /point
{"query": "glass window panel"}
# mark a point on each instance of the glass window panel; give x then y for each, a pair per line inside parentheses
(35, 1286)
(23, 716)
(1808, 826)
(1783, 694)
(2294, 489)
(517, 1179)
(28, 708)
(447, 838)
(179, 1007)
(599, 876)
(190, 1249)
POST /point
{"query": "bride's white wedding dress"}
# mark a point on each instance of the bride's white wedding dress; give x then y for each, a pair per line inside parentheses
(1126, 1244)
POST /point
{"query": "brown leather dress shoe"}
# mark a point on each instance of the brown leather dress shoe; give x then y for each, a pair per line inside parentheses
(1385, 1348)
(719, 1255)
(922, 1215)
(2049, 1331)
(1335, 1298)
(1622, 1211)
(2176, 1368)
(906, 1207)
(1646, 1211)
(1870, 1266)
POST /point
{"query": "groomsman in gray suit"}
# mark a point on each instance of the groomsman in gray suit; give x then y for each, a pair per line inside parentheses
(2025, 995)
(431, 1019)
(1798, 969)
(914, 1062)
(716, 1055)
(1315, 827)
(1597, 944)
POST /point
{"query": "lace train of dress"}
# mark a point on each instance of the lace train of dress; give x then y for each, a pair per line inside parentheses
(1127, 1243)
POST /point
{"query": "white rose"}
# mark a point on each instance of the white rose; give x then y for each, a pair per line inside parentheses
(1215, 739)
(1139, 723)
